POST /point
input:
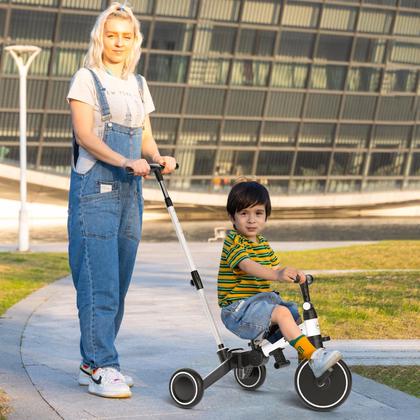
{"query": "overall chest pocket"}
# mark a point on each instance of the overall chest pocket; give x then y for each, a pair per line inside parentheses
(100, 214)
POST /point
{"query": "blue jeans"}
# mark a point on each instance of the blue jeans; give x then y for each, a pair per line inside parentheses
(248, 318)
(104, 227)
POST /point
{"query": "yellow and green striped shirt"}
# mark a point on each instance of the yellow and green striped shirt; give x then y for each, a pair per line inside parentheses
(233, 283)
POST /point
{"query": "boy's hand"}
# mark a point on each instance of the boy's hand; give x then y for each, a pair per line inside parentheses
(290, 274)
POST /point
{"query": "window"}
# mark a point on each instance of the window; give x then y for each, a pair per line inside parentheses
(285, 104)
(243, 133)
(363, 79)
(347, 163)
(221, 10)
(184, 8)
(375, 21)
(415, 165)
(289, 75)
(353, 135)
(218, 39)
(407, 24)
(84, 25)
(235, 162)
(164, 130)
(83, 4)
(199, 132)
(167, 99)
(359, 107)
(369, 50)
(67, 62)
(312, 163)
(300, 14)
(167, 68)
(246, 103)
(395, 137)
(400, 81)
(250, 73)
(32, 26)
(255, 42)
(261, 11)
(58, 128)
(328, 77)
(403, 52)
(334, 48)
(320, 105)
(279, 134)
(274, 163)
(205, 101)
(317, 135)
(209, 71)
(398, 108)
(172, 36)
(296, 44)
(386, 164)
(338, 18)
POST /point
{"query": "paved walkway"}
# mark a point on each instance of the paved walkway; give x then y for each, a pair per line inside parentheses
(165, 329)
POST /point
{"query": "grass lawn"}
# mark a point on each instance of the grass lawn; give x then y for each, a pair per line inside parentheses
(404, 378)
(22, 274)
(384, 255)
(376, 305)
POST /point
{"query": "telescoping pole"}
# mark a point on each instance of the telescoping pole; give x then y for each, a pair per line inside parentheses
(181, 237)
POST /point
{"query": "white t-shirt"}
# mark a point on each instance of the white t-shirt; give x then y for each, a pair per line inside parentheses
(124, 102)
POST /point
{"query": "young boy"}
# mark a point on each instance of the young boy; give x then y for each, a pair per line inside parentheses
(248, 265)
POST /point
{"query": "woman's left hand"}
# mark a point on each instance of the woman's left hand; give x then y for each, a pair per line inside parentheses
(168, 162)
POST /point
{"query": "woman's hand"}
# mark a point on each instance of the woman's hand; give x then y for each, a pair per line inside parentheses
(290, 274)
(168, 162)
(140, 167)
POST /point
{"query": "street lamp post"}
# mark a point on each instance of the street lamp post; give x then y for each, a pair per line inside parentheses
(19, 54)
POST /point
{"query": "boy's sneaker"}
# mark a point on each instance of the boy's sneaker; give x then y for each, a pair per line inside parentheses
(85, 372)
(321, 360)
(108, 382)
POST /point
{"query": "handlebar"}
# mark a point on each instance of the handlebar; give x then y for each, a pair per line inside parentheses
(309, 279)
(154, 167)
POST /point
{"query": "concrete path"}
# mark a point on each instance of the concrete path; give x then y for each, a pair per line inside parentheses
(165, 329)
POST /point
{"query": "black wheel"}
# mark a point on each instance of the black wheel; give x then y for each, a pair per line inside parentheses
(328, 395)
(250, 378)
(186, 388)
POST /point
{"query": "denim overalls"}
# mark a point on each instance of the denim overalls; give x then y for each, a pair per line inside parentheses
(104, 227)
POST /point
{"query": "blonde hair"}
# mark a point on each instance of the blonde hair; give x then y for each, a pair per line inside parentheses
(93, 57)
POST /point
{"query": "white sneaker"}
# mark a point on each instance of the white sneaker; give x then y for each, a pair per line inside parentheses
(321, 360)
(85, 372)
(108, 382)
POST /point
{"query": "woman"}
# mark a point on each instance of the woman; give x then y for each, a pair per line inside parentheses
(109, 108)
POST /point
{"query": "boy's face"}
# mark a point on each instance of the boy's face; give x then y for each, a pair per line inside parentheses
(250, 222)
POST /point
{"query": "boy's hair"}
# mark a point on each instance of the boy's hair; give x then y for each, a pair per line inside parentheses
(247, 194)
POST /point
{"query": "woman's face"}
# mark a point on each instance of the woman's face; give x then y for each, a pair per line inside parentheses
(118, 40)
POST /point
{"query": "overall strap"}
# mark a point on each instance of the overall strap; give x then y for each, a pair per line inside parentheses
(141, 89)
(103, 103)
(141, 92)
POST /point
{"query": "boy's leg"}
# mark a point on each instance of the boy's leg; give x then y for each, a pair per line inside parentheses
(320, 360)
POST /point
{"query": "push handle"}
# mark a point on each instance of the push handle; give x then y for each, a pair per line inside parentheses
(309, 279)
(154, 167)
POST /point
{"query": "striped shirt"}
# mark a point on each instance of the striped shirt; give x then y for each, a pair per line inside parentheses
(233, 283)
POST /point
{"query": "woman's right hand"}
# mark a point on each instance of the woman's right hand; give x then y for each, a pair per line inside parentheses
(140, 167)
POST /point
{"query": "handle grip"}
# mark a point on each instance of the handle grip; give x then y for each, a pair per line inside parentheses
(154, 167)
(309, 279)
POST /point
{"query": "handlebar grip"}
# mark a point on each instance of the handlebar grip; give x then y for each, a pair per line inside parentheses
(308, 278)
(153, 167)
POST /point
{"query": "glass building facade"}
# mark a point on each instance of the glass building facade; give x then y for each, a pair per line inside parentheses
(306, 96)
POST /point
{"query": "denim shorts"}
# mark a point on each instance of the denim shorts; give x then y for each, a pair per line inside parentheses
(248, 318)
